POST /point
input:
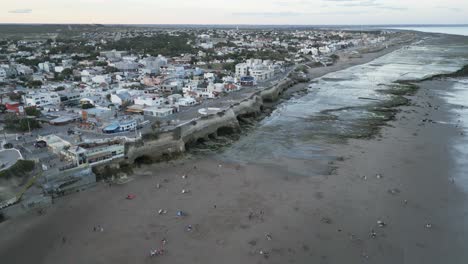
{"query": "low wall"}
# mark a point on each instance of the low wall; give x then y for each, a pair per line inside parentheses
(165, 145)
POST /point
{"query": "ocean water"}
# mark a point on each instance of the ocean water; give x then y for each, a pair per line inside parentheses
(455, 30)
(456, 94)
(332, 108)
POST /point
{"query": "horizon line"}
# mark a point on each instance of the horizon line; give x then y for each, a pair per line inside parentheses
(175, 24)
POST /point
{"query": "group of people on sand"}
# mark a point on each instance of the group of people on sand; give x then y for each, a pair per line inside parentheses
(160, 251)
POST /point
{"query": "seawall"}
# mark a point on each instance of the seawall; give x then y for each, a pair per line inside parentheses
(159, 146)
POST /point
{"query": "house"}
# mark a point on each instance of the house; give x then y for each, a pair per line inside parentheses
(7, 72)
(99, 112)
(13, 107)
(149, 100)
(186, 101)
(209, 76)
(242, 69)
(113, 55)
(40, 99)
(126, 66)
(152, 65)
(216, 88)
(260, 70)
(100, 152)
(121, 98)
(248, 81)
(23, 70)
(3, 74)
(120, 126)
(46, 66)
(101, 79)
(158, 112)
(261, 73)
(229, 87)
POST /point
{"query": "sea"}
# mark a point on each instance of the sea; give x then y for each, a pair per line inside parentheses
(305, 127)
(461, 30)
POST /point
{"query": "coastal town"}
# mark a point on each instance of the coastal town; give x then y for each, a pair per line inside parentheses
(71, 104)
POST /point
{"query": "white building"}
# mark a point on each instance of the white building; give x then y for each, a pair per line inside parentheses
(149, 100)
(153, 64)
(209, 76)
(3, 74)
(24, 70)
(41, 99)
(262, 73)
(208, 45)
(58, 69)
(187, 101)
(121, 98)
(101, 79)
(242, 69)
(158, 112)
(260, 70)
(126, 66)
(46, 66)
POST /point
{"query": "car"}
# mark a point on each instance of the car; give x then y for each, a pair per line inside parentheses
(40, 144)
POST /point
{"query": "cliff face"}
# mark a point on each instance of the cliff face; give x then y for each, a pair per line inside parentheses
(169, 144)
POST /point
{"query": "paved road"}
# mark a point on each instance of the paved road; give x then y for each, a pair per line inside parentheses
(8, 158)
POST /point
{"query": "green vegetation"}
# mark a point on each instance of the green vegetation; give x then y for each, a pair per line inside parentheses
(14, 96)
(15, 123)
(401, 89)
(463, 72)
(301, 68)
(230, 67)
(34, 84)
(60, 88)
(101, 63)
(32, 111)
(110, 69)
(64, 75)
(33, 62)
(19, 170)
(161, 44)
(72, 47)
(335, 57)
(87, 106)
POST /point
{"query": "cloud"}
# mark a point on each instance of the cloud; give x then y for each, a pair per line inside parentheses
(453, 9)
(21, 11)
(295, 14)
(269, 14)
(377, 4)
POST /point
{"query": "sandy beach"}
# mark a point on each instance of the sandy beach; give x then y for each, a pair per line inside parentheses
(251, 213)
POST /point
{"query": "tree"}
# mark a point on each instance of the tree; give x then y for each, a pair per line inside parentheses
(110, 69)
(156, 125)
(34, 84)
(32, 111)
(87, 106)
(67, 72)
(230, 66)
(13, 122)
(14, 96)
(3, 108)
(101, 63)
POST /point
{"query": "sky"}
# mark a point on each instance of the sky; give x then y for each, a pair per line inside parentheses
(271, 12)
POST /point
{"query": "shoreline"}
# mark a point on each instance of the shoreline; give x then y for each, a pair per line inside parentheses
(170, 144)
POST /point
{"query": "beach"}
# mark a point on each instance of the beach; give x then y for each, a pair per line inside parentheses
(392, 198)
